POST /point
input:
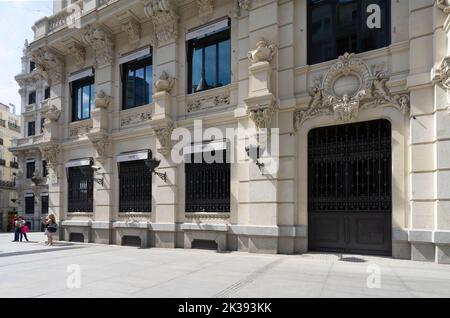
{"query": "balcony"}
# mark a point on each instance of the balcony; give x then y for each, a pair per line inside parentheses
(9, 185)
(13, 126)
(14, 164)
(28, 142)
(2, 162)
(2, 123)
(67, 17)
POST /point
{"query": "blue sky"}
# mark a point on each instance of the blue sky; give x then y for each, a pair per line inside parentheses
(16, 20)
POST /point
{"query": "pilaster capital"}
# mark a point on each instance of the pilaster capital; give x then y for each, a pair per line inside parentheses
(163, 132)
(133, 30)
(164, 15)
(49, 64)
(101, 41)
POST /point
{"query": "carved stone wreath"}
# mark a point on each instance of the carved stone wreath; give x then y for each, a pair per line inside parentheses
(345, 104)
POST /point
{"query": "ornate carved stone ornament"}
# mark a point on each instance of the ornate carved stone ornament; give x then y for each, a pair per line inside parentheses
(49, 65)
(163, 134)
(80, 129)
(50, 153)
(207, 102)
(100, 143)
(164, 16)
(443, 74)
(349, 86)
(102, 100)
(133, 30)
(205, 9)
(264, 52)
(444, 5)
(78, 53)
(101, 41)
(29, 79)
(164, 83)
(262, 115)
(135, 118)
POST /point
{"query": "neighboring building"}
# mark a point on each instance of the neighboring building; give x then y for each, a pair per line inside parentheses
(9, 130)
(363, 139)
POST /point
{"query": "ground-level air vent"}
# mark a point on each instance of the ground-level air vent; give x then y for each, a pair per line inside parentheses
(131, 241)
(204, 244)
(76, 237)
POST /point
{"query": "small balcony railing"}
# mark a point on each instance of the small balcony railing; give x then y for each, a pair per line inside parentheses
(14, 164)
(2, 162)
(7, 184)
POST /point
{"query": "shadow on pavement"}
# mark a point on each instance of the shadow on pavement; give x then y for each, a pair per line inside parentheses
(48, 249)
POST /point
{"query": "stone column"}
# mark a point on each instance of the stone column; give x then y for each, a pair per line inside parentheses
(441, 138)
(102, 43)
(164, 17)
(261, 204)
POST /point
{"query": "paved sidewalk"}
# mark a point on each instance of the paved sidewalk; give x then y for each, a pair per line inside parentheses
(35, 270)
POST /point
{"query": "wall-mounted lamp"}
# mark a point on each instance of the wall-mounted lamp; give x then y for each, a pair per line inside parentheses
(255, 153)
(152, 164)
(88, 170)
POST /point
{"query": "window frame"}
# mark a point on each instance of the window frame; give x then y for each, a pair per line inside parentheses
(27, 201)
(31, 128)
(47, 93)
(222, 202)
(202, 42)
(44, 198)
(76, 202)
(32, 98)
(136, 64)
(140, 201)
(360, 13)
(81, 84)
(30, 171)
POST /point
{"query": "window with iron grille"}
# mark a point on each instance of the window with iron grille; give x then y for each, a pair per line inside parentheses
(137, 82)
(32, 98)
(339, 26)
(29, 204)
(135, 187)
(81, 189)
(209, 58)
(83, 97)
(31, 166)
(207, 184)
(44, 204)
(31, 128)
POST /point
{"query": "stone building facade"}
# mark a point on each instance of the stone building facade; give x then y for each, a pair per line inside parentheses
(9, 130)
(357, 91)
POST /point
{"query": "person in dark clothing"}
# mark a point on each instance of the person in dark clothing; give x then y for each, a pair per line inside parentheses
(17, 229)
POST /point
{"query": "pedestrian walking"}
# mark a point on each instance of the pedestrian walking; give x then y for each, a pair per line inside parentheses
(24, 230)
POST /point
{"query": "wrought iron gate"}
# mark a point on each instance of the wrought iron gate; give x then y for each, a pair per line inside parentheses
(349, 188)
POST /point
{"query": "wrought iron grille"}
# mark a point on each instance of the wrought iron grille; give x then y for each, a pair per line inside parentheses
(29, 205)
(81, 189)
(135, 187)
(207, 186)
(350, 168)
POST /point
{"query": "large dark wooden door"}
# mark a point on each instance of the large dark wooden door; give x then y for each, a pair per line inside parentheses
(349, 188)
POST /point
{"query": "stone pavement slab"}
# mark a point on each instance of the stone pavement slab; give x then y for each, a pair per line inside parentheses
(35, 270)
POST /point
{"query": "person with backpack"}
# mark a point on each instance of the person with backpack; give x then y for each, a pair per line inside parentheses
(50, 228)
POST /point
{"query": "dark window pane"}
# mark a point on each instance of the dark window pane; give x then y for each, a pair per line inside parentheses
(30, 169)
(83, 98)
(339, 26)
(31, 128)
(44, 205)
(47, 93)
(224, 63)
(32, 98)
(197, 64)
(149, 81)
(140, 87)
(138, 83)
(211, 66)
(29, 205)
